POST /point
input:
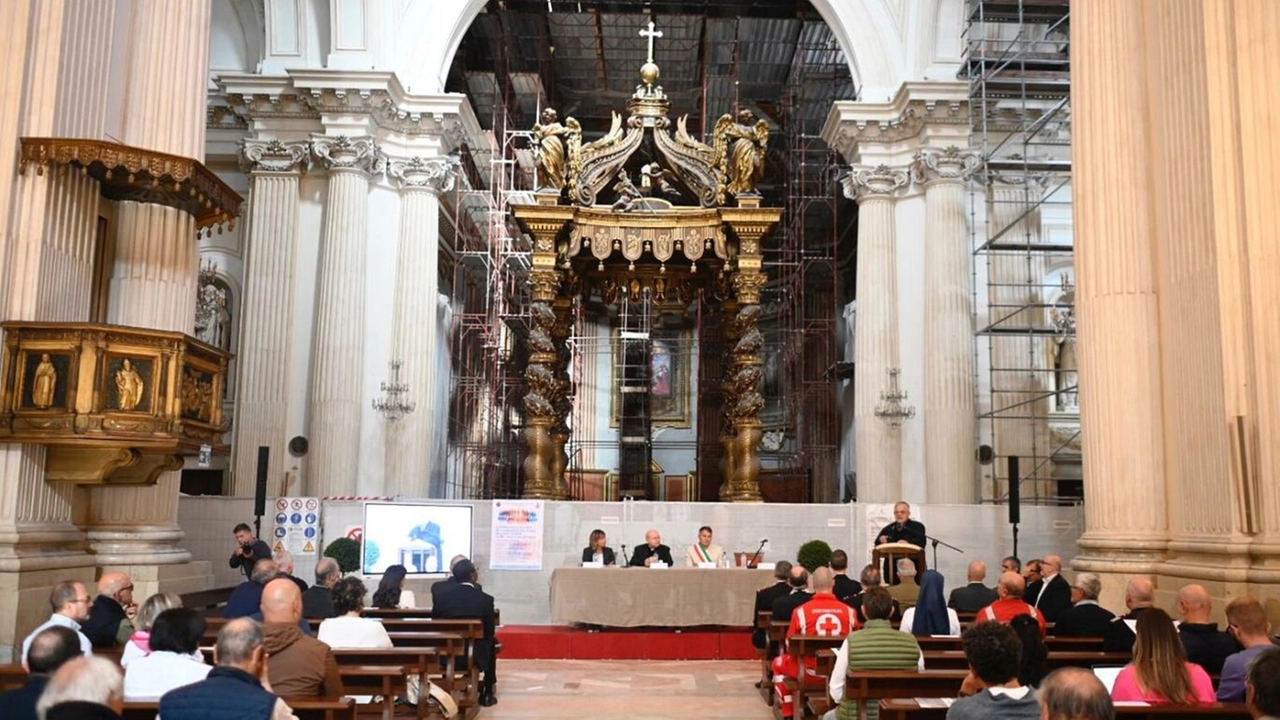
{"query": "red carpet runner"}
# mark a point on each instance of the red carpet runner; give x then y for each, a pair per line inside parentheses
(561, 642)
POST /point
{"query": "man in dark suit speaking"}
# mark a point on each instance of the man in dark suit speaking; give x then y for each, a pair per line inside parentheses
(652, 551)
(902, 529)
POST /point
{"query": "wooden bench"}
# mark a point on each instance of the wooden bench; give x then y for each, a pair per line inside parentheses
(937, 642)
(208, 602)
(955, 659)
(12, 677)
(909, 709)
(808, 646)
(411, 613)
(303, 709)
(385, 682)
(438, 662)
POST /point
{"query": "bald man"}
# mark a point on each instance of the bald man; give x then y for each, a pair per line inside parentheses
(976, 595)
(1139, 594)
(1206, 645)
(298, 665)
(113, 606)
(1074, 694)
(1010, 603)
(823, 615)
(651, 551)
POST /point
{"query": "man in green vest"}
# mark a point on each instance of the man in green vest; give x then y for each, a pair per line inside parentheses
(877, 646)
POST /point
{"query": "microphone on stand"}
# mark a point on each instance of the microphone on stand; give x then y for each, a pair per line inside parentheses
(755, 557)
(625, 561)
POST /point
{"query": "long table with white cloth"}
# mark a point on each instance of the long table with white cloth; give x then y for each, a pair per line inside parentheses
(671, 597)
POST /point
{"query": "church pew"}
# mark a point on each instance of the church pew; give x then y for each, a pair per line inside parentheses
(208, 602)
(465, 689)
(938, 642)
(764, 619)
(303, 709)
(909, 709)
(385, 682)
(412, 613)
(807, 646)
(12, 677)
(955, 659)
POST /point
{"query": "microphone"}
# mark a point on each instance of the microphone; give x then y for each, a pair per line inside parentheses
(625, 562)
(755, 557)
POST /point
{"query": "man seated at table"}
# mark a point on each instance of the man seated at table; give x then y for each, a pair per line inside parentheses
(1010, 605)
(994, 653)
(877, 646)
(703, 551)
(825, 616)
(652, 551)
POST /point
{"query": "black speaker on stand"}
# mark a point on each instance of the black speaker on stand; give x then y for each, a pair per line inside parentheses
(260, 490)
(1015, 504)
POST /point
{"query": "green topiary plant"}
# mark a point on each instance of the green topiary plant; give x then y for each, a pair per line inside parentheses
(347, 552)
(814, 554)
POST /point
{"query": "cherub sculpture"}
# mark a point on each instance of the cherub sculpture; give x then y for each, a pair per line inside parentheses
(740, 147)
(557, 144)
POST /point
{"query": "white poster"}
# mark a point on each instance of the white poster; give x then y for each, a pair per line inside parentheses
(297, 526)
(878, 516)
(515, 541)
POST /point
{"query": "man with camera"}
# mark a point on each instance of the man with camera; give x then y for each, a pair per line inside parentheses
(250, 550)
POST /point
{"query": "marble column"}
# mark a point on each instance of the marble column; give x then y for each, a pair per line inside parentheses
(414, 442)
(879, 446)
(1116, 300)
(337, 396)
(950, 436)
(271, 240)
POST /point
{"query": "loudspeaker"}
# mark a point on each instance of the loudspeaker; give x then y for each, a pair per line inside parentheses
(986, 454)
(1015, 505)
(260, 492)
(298, 446)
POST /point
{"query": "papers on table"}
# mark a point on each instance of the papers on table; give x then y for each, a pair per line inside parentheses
(934, 702)
(593, 564)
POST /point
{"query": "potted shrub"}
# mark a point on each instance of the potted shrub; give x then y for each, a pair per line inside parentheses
(347, 552)
(814, 554)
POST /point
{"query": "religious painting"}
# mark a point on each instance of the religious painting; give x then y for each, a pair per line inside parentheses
(44, 382)
(129, 383)
(670, 374)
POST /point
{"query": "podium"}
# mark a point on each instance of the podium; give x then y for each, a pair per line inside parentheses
(888, 554)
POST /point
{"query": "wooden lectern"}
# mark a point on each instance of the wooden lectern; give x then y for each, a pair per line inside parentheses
(887, 556)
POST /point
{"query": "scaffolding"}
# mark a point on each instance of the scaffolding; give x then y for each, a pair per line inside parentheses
(1018, 64)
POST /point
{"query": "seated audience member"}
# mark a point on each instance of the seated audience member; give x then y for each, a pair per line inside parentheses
(1262, 687)
(976, 595)
(234, 689)
(784, 606)
(174, 660)
(877, 646)
(70, 602)
(1035, 655)
(391, 592)
(907, 589)
(1011, 564)
(1247, 621)
(1010, 604)
(845, 587)
(930, 616)
(441, 587)
(85, 688)
(111, 608)
(317, 600)
(597, 549)
(1073, 693)
(298, 665)
(994, 654)
(247, 597)
(824, 615)
(766, 596)
(1139, 595)
(1206, 645)
(287, 565)
(1086, 618)
(139, 644)
(1054, 595)
(703, 551)
(651, 551)
(52, 648)
(870, 578)
(348, 629)
(1160, 672)
(468, 601)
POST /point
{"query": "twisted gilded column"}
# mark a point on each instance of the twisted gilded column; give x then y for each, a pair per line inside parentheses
(414, 442)
(543, 388)
(265, 355)
(879, 446)
(336, 380)
(742, 394)
(949, 419)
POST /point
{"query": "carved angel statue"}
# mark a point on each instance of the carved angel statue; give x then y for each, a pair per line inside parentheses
(556, 145)
(739, 149)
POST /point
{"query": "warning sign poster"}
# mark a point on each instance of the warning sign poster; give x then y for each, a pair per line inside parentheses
(297, 526)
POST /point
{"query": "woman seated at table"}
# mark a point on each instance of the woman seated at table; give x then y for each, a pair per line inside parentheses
(1160, 672)
(704, 551)
(597, 551)
(348, 629)
(930, 615)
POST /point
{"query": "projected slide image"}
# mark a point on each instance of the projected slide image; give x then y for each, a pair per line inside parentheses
(422, 538)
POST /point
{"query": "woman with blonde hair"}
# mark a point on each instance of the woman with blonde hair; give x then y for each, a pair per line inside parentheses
(1160, 672)
(139, 644)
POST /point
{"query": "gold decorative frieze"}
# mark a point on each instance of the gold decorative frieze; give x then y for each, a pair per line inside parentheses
(112, 404)
(130, 173)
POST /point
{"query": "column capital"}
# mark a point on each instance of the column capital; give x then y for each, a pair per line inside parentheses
(433, 174)
(343, 152)
(274, 156)
(881, 181)
(949, 164)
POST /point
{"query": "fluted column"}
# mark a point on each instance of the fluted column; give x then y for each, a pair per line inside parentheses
(271, 240)
(879, 446)
(949, 419)
(414, 442)
(336, 393)
(1116, 301)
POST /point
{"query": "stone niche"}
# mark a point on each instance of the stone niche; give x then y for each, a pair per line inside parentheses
(113, 405)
